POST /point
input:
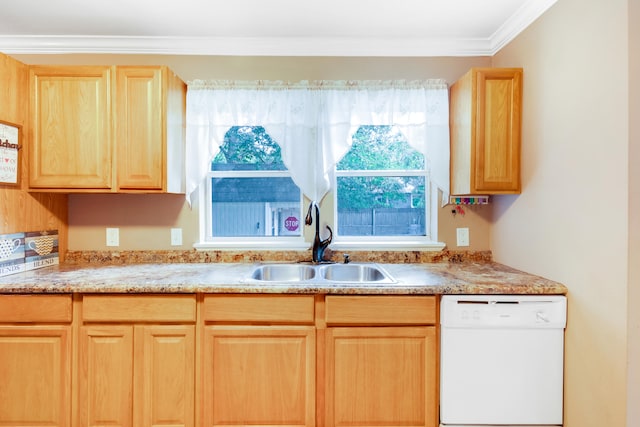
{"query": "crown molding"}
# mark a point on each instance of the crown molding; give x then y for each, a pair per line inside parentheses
(278, 46)
(525, 16)
(246, 46)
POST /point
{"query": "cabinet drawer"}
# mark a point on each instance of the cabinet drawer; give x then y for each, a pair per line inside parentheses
(35, 308)
(259, 308)
(380, 310)
(139, 308)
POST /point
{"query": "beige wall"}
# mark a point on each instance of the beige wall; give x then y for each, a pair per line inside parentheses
(571, 222)
(281, 68)
(145, 221)
(633, 303)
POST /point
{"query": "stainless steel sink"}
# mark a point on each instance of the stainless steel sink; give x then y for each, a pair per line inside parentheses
(356, 273)
(284, 273)
(322, 274)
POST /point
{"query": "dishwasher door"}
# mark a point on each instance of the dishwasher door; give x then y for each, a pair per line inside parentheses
(501, 360)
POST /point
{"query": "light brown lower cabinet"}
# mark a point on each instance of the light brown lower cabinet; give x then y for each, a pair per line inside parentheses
(136, 375)
(380, 376)
(218, 360)
(381, 361)
(259, 375)
(132, 373)
(35, 360)
(35, 375)
(259, 364)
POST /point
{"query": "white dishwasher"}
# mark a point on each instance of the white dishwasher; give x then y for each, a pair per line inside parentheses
(501, 360)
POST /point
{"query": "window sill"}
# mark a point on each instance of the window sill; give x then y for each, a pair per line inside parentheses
(237, 244)
(407, 245)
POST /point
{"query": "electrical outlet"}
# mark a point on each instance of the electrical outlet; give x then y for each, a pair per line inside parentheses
(462, 236)
(113, 237)
(176, 237)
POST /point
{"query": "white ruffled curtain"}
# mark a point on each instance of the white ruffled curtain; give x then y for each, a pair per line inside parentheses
(313, 123)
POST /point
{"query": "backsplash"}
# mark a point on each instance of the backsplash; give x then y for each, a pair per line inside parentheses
(194, 256)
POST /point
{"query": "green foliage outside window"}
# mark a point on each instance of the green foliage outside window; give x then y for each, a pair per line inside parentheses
(382, 148)
(248, 148)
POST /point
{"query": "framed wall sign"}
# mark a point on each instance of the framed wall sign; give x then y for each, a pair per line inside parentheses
(9, 153)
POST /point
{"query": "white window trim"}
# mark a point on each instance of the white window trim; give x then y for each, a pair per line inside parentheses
(244, 243)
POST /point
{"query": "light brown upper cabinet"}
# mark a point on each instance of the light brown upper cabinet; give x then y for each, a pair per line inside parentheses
(71, 141)
(107, 129)
(150, 129)
(485, 124)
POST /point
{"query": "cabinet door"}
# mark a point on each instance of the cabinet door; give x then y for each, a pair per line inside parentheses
(259, 376)
(164, 376)
(381, 376)
(105, 376)
(35, 378)
(140, 128)
(71, 113)
(498, 116)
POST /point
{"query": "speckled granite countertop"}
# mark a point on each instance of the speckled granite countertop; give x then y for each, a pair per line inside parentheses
(425, 278)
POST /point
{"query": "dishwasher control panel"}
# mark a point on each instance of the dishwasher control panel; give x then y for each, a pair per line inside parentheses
(521, 311)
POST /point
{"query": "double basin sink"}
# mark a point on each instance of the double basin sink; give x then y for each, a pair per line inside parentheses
(322, 273)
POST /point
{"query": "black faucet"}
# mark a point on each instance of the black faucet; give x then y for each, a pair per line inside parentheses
(317, 252)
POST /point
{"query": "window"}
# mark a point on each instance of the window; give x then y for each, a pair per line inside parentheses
(250, 192)
(382, 186)
(383, 190)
